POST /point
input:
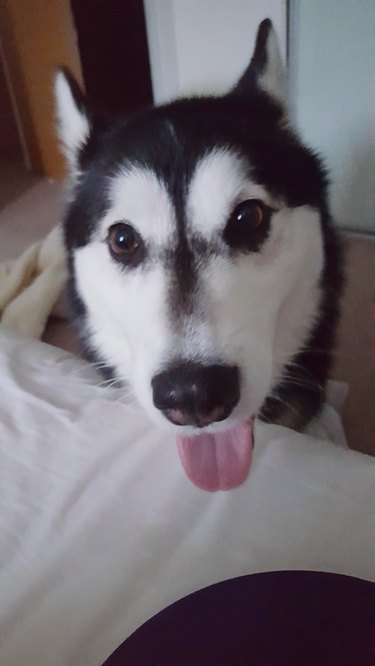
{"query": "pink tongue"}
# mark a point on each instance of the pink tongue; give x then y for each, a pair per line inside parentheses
(220, 461)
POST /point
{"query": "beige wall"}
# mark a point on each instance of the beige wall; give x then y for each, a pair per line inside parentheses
(37, 36)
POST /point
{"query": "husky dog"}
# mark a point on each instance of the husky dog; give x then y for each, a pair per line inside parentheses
(204, 270)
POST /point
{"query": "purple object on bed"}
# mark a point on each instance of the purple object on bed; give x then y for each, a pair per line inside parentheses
(289, 618)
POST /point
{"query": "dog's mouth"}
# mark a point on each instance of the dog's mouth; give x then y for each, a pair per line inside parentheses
(218, 461)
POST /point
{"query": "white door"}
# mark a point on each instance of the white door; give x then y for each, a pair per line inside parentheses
(332, 76)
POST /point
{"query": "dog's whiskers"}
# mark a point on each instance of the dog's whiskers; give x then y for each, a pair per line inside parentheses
(285, 403)
(334, 353)
(301, 369)
(109, 383)
(300, 381)
(100, 366)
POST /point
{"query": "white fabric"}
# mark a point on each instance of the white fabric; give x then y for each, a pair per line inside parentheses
(100, 528)
(31, 285)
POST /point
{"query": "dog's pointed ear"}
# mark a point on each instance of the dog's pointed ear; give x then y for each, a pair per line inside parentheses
(73, 122)
(266, 70)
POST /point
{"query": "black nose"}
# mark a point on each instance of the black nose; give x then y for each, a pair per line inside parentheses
(194, 394)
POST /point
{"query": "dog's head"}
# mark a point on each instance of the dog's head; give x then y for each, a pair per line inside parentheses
(196, 250)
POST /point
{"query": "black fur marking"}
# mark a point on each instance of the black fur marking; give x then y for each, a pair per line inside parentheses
(184, 279)
(90, 204)
(184, 263)
(258, 63)
(176, 176)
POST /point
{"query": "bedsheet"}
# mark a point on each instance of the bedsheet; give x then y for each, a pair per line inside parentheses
(100, 528)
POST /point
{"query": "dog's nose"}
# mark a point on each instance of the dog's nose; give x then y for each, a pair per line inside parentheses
(194, 394)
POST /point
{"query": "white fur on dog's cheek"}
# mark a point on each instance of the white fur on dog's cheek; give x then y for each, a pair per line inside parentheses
(126, 315)
(138, 197)
(221, 181)
(302, 245)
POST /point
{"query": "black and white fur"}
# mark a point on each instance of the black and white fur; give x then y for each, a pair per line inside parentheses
(267, 304)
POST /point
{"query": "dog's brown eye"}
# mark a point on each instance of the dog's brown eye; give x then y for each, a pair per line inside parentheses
(125, 244)
(122, 238)
(248, 226)
(249, 213)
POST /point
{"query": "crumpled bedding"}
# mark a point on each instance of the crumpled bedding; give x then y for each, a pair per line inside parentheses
(100, 528)
(32, 284)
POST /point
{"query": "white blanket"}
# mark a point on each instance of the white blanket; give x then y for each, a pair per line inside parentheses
(100, 528)
(31, 285)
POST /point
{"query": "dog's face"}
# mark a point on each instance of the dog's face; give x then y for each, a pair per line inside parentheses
(195, 247)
